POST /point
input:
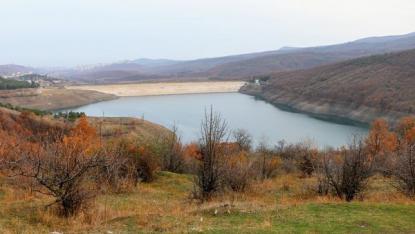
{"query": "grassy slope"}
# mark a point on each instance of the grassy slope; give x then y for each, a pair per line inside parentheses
(52, 98)
(111, 127)
(164, 206)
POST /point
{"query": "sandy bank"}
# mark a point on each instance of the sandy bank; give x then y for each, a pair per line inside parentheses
(164, 88)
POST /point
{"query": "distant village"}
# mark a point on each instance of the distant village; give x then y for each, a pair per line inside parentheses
(33, 78)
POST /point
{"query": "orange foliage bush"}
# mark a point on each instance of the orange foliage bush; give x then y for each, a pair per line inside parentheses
(58, 162)
(237, 171)
(380, 140)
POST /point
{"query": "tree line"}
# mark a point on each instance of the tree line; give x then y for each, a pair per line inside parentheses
(6, 84)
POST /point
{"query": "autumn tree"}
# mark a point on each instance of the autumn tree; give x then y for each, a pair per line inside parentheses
(62, 168)
(406, 130)
(380, 143)
(380, 140)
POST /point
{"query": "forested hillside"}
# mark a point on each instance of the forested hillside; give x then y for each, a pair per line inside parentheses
(381, 84)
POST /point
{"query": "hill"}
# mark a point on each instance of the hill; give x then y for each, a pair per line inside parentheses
(51, 98)
(235, 67)
(359, 89)
(241, 66)
(13, 69)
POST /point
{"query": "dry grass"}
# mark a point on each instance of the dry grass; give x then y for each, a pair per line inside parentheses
(125, 127)
(283, 204)
(51, 98)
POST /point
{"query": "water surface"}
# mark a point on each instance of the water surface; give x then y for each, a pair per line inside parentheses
(263, 120)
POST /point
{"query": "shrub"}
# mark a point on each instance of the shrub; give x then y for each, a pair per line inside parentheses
(266, 162)
(403, 162)
(380, 143)
(146, 165)
(346, 171)
(70, 116)
(61, 168)
(119, 174)
(243, 139)
(307, 161)
(237, 173)
(172, 156)
(404, 170)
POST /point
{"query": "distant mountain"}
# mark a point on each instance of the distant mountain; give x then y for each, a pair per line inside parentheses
(360, 89)
(154, 62)
(242, 66)
(245, 66)
(385, 38)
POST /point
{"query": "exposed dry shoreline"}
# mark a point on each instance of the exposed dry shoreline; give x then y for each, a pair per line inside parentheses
(164, 88)
(73, 96)
(329, 111)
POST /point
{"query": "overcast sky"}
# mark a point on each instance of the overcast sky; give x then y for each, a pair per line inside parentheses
(74, 32)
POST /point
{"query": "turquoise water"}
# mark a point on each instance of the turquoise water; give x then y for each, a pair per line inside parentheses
(264, 121)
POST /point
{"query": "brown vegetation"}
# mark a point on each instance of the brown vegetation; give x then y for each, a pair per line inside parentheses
(360, 89)
(51, 98)
(73, 167)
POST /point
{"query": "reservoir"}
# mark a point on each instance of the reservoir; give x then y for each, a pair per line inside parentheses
(262, 120)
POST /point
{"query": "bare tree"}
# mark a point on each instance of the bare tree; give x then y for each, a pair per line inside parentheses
(243, 139)
(213, 133)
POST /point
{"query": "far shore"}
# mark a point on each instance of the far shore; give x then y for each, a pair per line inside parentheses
(164, 88)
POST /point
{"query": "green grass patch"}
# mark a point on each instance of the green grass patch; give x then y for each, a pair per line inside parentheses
(320, 218)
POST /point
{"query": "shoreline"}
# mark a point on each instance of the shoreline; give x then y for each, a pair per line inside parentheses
(333, 112)
(163, 88)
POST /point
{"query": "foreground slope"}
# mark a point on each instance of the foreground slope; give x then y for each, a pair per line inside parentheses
(360, 89)
(163, 206)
